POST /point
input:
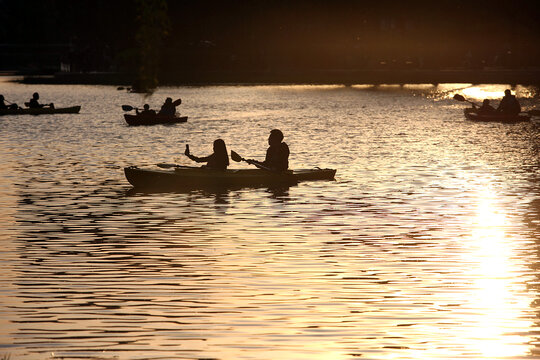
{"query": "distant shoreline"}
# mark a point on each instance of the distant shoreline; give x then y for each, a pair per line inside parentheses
(347, 77)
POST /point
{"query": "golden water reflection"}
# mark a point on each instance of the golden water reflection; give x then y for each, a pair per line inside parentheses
(499, 301)
(418, 250)
(493, 92)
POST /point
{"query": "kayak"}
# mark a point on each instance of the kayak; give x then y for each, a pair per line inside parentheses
(471, 114)
(39, 111)
(139, 119)
(198, 177)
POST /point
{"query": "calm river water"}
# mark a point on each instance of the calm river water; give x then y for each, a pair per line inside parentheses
(426, 246)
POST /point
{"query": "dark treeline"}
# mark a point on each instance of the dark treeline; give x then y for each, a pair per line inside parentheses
(240, 36)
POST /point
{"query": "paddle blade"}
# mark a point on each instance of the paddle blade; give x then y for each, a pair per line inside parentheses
(127, 107)
(177, 102)
(459, 97)
(235, 156)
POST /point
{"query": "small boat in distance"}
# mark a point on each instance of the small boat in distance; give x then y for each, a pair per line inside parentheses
(139, 119)
(472, 114)
(39, 111)
(182, 177)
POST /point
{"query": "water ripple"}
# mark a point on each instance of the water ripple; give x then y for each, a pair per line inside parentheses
(425, 245)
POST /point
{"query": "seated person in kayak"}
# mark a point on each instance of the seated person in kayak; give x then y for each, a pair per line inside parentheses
(169, 107)
(218, 160)
(509, 104)
(277, 154)
(146, 111)
(486, 108)
(4, 106)
(34, 103)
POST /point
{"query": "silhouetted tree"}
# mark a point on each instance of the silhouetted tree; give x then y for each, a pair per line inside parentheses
(153, 26)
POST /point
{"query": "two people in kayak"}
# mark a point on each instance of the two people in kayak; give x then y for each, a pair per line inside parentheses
(32, 104)
(167, 109)
(277, 154)
(509, 105)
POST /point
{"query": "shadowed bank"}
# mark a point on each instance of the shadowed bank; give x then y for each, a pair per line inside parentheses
(151, 42)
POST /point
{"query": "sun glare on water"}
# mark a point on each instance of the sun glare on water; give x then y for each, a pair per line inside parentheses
(484, 92)
(497, 299)
(494, 92)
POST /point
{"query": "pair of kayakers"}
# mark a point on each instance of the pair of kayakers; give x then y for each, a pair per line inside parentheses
(277, 154)
(32, 104)
(167, 109)
(509, 105)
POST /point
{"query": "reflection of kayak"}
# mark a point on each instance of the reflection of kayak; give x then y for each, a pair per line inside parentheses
(196, 177)
(471, 114)
(153, 119)
(38, 111)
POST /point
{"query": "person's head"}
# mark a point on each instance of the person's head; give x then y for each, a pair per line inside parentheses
(276, 136)
(220, 149)
(35, 96)
(146, 107)
(1, 97)
(507, 92)
(486, 102)
(168, 100)
(219, 146)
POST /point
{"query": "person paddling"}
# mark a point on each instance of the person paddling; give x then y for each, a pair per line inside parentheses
(34, 103)
(277, 154)
(218, 160)
(486, 108)
(509, 105)
(146, 111)
(169, 107)
(4, 106)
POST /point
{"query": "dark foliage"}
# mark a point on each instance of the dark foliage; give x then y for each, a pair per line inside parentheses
(240, 36)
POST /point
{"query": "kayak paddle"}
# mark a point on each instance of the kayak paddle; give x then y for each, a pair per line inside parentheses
(168, 166)
(128, 108)
(15, 106)
(461, 98)
(238, 158)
